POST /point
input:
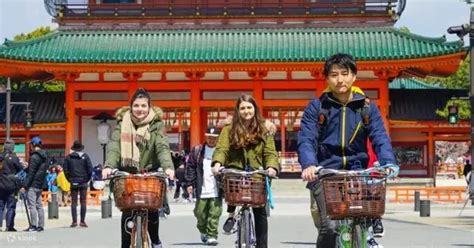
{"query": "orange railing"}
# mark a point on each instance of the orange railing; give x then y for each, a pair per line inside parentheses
(289, 162)
(454, 194)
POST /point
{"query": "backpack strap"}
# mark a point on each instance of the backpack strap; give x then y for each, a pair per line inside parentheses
(323, 117)
(366, 112)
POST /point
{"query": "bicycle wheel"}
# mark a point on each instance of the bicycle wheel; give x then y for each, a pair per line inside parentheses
(359, 237)
(138, 231)
(344, 234)
(244, 236)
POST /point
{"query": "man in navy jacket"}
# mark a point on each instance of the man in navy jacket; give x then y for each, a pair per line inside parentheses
(340, 141)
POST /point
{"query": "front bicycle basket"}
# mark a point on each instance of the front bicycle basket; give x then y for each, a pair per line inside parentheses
(138, 192)
(354, 196)
(242, 190)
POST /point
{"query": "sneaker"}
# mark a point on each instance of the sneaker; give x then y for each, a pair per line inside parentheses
(378, 228)
(229, 224)
(11, 229)
(212, 242)
(203, 237)
(166, 208)
(74, 224)
(31, 229)
(83, 224)
(157, 245)
(39, 229)
(371, 243)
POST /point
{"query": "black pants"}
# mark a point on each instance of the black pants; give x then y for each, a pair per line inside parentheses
(82, 191)
(153, 228)
(327, 232)
(261, 225)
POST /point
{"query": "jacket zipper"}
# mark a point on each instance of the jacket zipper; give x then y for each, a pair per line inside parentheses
(343, 129)
(343, 136)
(354, 135)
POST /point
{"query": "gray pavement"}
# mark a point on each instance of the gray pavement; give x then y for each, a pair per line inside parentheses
(290, 225)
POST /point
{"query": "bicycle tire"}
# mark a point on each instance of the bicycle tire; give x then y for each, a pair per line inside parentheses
(359, 237)
(244, 236)
(138, 231)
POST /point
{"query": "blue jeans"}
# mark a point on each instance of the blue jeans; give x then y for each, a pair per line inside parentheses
(8, 202)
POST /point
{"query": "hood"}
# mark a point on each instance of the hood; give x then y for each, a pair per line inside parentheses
(42, 153)
(270, 126)
(76, 154)
(121, 112)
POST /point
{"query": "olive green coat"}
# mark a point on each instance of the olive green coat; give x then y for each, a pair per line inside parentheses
(157, 154)
(263, 154)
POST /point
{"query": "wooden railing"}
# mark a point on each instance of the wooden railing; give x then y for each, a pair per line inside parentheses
(289, 162)
(93, 198)
(454, 194)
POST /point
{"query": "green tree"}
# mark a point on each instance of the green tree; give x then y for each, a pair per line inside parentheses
(458, 80)
(34, 85)
(41, 31)
(404, 29)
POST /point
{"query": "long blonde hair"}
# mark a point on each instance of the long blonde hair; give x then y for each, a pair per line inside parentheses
(240, 135)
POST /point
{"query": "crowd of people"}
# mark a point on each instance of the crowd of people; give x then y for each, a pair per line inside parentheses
(245, 142)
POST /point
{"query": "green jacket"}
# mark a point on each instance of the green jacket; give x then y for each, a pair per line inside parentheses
(157, 155)
(263, 154)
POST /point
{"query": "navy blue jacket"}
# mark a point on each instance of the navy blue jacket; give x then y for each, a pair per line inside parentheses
(344, 138)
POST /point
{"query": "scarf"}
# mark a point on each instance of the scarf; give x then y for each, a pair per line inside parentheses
(134, 134)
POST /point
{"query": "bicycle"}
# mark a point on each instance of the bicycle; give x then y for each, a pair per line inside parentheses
(242, 188)
(353, 199)
(138, 193)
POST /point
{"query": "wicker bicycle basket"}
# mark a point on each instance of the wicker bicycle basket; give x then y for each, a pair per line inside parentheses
(138, 192)
(354, 196)
(241, 190)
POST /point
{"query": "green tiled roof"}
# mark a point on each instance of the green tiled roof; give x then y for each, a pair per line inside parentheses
(244, 45)
(411, 84)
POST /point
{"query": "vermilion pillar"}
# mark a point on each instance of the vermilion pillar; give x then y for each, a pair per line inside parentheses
(257, 77)
(195, 130)
(70, 110)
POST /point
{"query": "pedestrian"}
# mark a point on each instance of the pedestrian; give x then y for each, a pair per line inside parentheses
(13, 166)
(64, 187)
(179, 168)
(199, 177)
(52, 183)
(139, 143)
(333, 134)
(246, 144)
(38, 165)
(78, 171)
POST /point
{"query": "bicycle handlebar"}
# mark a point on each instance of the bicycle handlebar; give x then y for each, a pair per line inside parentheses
(386, 171)
(244, 173)
(117, 173)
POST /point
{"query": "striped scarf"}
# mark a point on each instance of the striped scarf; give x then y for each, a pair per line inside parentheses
(134, 134)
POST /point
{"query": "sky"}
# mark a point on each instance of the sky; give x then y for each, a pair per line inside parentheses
(424, 17)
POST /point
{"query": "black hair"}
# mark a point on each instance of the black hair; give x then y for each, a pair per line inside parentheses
(141, 93)
(342, 60)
